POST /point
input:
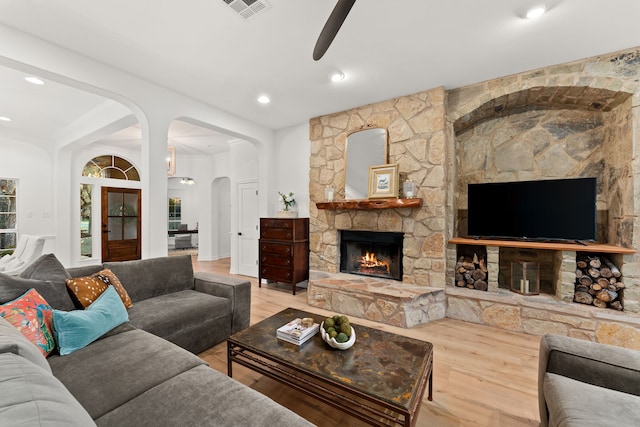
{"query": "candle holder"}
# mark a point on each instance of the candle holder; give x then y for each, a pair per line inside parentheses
(329, 193)
(409, 189)
(525, 277)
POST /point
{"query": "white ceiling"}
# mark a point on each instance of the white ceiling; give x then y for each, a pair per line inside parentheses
(387, 48)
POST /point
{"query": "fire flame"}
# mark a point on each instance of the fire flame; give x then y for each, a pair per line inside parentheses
(369, 261)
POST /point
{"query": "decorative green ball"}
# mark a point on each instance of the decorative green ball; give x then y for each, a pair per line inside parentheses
(342, 338)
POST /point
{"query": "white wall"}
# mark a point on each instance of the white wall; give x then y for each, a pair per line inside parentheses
(32, 166)
(292, 152)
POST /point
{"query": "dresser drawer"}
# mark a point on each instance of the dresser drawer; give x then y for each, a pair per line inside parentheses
(281, 274)
(277, 260)
(280, 249)
(276, 233)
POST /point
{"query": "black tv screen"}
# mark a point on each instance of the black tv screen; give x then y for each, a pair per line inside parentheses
(558, 209)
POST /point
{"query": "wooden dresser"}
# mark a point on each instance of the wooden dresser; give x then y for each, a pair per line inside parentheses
(284, 250)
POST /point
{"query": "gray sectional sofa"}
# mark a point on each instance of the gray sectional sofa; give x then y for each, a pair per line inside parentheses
(583, 384)
(142, 372)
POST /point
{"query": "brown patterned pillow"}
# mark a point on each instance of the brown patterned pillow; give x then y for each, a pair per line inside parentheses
(107, 276)
(87, 289)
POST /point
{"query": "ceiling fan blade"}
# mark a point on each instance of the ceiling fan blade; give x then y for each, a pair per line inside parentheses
(332, 26)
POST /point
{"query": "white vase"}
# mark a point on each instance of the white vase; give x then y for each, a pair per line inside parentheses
(287, 214)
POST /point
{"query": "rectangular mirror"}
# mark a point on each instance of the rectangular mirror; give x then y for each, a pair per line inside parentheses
(365, 148)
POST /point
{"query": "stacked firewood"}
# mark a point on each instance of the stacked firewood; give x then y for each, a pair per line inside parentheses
(471, 273)
(598, 282)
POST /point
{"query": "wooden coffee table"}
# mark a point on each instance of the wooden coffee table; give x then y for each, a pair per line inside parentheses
(380, 380)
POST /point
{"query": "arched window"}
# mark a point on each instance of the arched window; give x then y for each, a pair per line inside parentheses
(111, 167)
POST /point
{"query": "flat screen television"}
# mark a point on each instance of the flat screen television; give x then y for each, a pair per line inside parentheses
(557, 209)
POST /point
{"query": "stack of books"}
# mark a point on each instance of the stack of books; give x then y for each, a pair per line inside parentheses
(296, 332)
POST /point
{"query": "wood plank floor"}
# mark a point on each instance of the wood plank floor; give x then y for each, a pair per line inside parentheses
(482, 376)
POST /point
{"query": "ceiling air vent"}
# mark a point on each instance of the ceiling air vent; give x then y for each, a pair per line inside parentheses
(247, 8)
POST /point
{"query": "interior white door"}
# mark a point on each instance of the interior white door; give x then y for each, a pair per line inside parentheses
(248, 229)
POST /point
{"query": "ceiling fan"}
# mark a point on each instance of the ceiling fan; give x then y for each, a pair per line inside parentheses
(331, 28)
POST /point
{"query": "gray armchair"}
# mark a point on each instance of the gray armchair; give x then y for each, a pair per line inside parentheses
(582, 383)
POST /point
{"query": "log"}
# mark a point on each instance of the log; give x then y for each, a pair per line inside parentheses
(611, 266)
(478, 274)
(606, 272)
(469, 265)
(461, 270)
(596, 287)
(613, 280)
(579, 273)
(612, 288)
(595, 262)
(458, 277)
(585, 280)
(604, 283)
(582, 264)
(603, 295)
(481, 285)
(461, 283)
(583, 298)
(483, 267)
(582, 288)
(475, 259)
(594, 272)
(470, 286)
(619, 285)
(470, 280)
(599, 304)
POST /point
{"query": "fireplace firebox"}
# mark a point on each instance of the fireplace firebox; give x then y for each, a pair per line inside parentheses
(371, 253)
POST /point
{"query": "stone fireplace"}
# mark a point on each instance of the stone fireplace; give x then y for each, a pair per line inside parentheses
(572, 120)
(371, 253)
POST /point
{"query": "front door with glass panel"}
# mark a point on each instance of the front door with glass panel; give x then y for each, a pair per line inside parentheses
(121, 240)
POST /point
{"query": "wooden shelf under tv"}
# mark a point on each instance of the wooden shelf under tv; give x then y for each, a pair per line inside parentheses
(577, 247)
(366, 204)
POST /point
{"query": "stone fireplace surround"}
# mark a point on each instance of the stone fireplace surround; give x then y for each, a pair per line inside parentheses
(575, 119)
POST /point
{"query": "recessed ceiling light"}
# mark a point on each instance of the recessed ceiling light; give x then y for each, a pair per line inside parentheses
(337, 76)
(536, 11)
(264, 99)
(4, 119)
(34, 80)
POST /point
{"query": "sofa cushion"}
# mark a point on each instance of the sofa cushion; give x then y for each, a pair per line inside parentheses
(31, 315)
(49, 268)
(220, 401)
(55, 293)
(171, 315)
(12, 341)
(574, 403)
(78, 328)
(31, 396)
(152, 277)
(120, 367)
(86, 290)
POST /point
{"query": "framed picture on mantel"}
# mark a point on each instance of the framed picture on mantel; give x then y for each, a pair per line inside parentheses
(383, 181)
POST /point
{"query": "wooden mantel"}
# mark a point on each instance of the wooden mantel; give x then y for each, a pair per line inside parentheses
(367, 204)
(577, 247)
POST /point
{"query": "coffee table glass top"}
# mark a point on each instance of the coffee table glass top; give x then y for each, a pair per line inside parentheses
(381, 364)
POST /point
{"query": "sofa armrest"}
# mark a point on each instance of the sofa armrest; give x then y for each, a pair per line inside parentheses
(236, 290)
(602, 365)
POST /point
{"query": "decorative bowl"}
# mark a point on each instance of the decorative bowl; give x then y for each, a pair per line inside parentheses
(335, 344)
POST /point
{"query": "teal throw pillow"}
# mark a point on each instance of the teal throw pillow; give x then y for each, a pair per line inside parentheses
(77, 329)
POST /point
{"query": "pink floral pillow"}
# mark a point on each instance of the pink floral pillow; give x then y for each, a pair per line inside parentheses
(32, 316)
